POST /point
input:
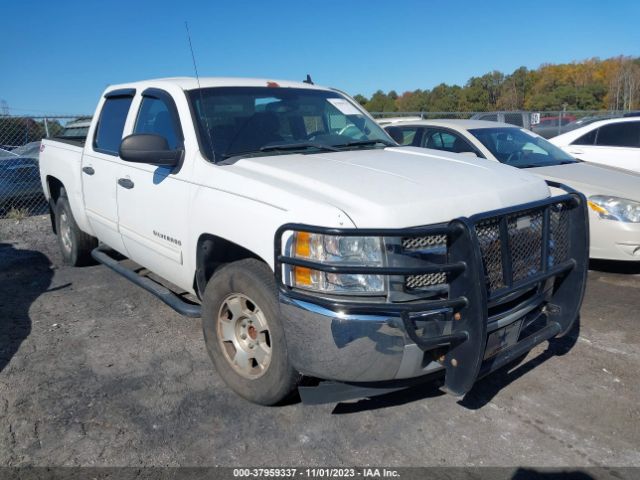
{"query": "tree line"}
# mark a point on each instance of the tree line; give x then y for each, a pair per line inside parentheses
(594, 84)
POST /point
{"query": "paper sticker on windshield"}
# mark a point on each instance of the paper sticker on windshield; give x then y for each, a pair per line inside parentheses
(344, 106)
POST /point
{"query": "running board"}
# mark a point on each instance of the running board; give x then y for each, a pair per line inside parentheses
(163, 293)
(329, 391)
(336, 392)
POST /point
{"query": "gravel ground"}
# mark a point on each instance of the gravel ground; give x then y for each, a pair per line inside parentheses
(95, 371)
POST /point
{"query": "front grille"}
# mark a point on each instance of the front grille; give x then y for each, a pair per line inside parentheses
(429, 244)
(421, 243)
(488, 232)
(415, 282)
(518, 238)
(525, 243)
(559, 234)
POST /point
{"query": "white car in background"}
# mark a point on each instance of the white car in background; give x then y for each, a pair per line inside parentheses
(384, 121)
(613, 194)
(614, 142)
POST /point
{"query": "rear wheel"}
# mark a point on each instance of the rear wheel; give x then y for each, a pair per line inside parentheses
(75, 245)
(244, 335)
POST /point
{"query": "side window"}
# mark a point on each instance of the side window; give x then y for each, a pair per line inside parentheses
(619, 135)
(514, 119)
(403, 135)
(587, 138)
(111, 124)
(154, 117)
(448, 141)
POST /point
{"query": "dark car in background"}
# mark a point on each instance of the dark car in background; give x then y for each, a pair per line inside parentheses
(20, 186)
(551, 126)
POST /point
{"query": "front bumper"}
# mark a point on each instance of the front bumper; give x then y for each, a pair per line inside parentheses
(369, 342)
(614, 240)
(349, 347)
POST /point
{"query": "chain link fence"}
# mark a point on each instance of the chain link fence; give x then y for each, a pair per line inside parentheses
(20, 188)
(545, 123)
(21, 191)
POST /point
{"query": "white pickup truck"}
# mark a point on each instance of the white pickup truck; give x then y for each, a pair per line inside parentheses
(316, 246)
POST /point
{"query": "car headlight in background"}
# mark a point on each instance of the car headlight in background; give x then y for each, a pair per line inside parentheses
(338, 251)
(614, 208)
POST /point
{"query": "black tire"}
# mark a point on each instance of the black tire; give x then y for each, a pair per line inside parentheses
(77, 251)
(255, 280)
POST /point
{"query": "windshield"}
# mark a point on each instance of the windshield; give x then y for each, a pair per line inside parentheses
(520, 148)
(250, 121)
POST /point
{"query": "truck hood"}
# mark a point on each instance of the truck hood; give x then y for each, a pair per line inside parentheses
(395, 187)
(594, 179)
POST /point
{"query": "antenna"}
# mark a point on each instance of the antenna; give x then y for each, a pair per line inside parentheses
(308, 80)
(206, 119)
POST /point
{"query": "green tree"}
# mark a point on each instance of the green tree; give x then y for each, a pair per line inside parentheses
(381, 102)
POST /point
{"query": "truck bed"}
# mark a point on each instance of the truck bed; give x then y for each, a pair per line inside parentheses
(77, 141)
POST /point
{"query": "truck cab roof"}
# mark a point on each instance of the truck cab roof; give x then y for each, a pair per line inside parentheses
(191, 83)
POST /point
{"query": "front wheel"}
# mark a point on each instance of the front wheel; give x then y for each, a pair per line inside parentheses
(244, 335)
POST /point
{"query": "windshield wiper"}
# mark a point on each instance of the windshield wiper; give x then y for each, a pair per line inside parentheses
(364, 143)
(299, 146)
(230, 158)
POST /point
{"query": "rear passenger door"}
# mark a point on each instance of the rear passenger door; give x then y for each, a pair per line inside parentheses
(616, 144)
(101, 165)
(152, 200)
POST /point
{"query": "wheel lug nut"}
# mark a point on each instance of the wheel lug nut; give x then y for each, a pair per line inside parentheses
(243, 336)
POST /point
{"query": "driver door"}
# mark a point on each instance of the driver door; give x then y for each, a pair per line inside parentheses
(152, 201)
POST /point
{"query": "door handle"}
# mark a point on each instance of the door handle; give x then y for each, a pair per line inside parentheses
(126, 183)
(576, 152)
(88, 170)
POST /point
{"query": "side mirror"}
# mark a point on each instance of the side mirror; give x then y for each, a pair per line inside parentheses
(149, 148)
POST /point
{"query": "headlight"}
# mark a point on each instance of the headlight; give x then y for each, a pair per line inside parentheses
(614, 208)
(339, 251)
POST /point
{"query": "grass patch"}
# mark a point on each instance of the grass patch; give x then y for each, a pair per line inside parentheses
(17, 213)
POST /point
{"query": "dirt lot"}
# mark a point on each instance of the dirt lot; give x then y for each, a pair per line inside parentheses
(95, 371)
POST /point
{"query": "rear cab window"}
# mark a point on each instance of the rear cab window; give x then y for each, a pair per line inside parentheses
(111, 122)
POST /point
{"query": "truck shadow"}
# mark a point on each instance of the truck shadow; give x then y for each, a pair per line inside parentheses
(423, 391)
(482, 392)
(24, 276)
(486, 389)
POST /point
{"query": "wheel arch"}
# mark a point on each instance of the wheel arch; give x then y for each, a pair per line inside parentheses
(212, 252)
(54, 187)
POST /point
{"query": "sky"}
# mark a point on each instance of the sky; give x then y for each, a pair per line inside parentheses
(58, 56)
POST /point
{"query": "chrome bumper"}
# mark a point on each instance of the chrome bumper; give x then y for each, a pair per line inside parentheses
(350, 348)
